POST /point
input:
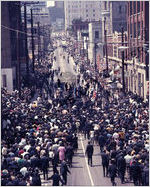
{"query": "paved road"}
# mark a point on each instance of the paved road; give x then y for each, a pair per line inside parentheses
(81, 173)
(67, 69)
(84, 175)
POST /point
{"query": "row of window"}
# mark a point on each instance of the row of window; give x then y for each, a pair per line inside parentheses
(136, 32)
(135, 7)
(137, 80)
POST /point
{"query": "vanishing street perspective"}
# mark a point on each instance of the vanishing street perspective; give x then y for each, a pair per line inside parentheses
(75, 93)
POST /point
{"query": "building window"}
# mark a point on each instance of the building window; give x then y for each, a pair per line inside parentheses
(134, 30)
(138, 28)
(96, 34)
(87, 15)
(125, 9)
(130, 31)
(134, 6)
(120, 9)
(93, 10)
(138, 54)
(130, 7)
(115, 51)
(138, 6)
(105, 5)
(86, 10)
(4, 81)
(142, 30)
(93, 15)
(142, 5)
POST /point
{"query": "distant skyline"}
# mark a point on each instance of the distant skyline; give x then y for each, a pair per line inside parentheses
(50, 3)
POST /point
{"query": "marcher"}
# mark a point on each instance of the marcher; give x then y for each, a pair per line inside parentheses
(112, 169)
(45, 166)
(105, 162)
(64, 171)
(56, 179)
(89, 153)
(61, 151)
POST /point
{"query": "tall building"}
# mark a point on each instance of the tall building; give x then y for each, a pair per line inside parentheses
(115, 14)
(138, 43)
(57, 16)
(95, 47)
(84, 10)
(12, 44)
(40, 12)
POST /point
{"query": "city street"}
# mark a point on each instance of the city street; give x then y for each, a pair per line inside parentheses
(67, 69)
(75, 93)
(84, 175)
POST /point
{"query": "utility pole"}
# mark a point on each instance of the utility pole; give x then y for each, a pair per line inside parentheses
(87, 49)
(105, 42)
(26, 43)
(106, 51)
(32, 32)
(18, 54)
(38, 42)
(123, 81)
(95, 46)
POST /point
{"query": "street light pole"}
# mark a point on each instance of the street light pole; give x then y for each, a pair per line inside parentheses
(38, 24)
(105, 35)
(26, 42)
(123, 81)
(95, 56)
(87, 49)
(18, 57)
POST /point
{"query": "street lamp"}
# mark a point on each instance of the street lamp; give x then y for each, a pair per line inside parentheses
(104, 14)
(122, 49)
(97, 45)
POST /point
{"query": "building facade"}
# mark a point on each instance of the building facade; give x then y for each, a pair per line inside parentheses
(12, 44)
(138, 43)
(95, 47)
(136, 39)
(41, 27)
(57, 16)
(115, 14)
(84, 10)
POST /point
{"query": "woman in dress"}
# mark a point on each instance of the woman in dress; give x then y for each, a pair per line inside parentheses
(61, 151)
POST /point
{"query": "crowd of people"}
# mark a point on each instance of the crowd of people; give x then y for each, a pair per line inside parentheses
(43, 134)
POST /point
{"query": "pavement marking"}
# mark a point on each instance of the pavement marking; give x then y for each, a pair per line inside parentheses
(92, 183)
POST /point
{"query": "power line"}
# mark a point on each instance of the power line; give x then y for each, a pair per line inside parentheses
(15, 30)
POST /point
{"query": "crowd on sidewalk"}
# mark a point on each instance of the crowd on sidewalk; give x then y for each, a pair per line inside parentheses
(44, 134)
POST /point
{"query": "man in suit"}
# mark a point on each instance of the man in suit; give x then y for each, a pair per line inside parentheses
(105, 162)
(45, 165)
(89, 152)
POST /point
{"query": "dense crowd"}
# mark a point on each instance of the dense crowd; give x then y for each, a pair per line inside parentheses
(44, 133)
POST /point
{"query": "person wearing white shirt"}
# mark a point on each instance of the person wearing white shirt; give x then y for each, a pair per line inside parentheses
(128, 159)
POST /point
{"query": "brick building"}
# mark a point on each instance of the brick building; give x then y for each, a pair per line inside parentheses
(137, 55)
(138, 43)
